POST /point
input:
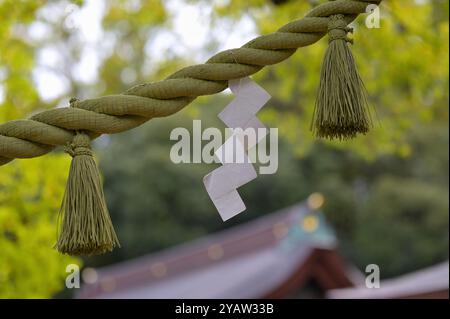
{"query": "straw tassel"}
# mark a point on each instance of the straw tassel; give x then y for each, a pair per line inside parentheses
(341, 109)
(86, 227)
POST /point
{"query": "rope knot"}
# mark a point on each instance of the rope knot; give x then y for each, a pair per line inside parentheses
(73, 101)
(80, 145)
(337, 29)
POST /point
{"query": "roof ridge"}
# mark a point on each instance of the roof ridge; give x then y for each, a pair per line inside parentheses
(195, 246)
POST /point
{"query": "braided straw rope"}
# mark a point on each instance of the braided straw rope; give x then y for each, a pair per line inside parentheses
(44, 131)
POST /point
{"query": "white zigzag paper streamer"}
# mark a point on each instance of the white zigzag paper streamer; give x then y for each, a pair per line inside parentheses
(221, 183)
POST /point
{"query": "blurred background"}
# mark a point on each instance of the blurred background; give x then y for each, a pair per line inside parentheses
(331, 209)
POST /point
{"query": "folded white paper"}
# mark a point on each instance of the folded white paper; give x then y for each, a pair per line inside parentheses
(237, 170)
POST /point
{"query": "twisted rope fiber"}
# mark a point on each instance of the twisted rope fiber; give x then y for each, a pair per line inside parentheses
(44, 131)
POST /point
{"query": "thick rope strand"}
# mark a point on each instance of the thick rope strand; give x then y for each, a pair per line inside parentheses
(117, 113)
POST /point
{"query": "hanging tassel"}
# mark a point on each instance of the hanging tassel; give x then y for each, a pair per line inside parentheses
(341, 109)
(86, 227)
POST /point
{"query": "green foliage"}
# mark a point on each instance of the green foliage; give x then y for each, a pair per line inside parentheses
(395, 61)
(152, 201)
(30, 196)
(16, 60)
(403, 227)
(30, 191)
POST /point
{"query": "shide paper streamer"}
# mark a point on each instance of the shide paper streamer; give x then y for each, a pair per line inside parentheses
(237, 169)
